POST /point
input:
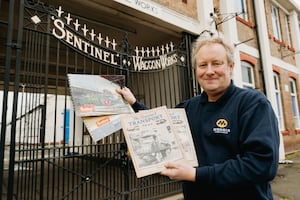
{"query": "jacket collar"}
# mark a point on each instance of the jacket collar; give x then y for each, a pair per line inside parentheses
(223, 99)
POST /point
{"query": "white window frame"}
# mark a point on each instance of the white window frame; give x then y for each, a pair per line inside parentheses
(278, 101)
(249, 83)
(287, 29)
(276, 22)
(241, 9)
(294, 99)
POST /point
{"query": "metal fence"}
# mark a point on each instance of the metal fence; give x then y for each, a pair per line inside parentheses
(46, 152)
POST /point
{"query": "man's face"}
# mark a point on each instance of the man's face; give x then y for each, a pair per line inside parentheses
(212, 70)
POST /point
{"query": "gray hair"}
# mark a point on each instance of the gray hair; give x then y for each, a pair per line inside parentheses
(200, 42)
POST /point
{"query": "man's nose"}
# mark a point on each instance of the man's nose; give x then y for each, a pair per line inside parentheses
(210, 68)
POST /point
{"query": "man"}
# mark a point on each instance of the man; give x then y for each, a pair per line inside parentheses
(235, 132)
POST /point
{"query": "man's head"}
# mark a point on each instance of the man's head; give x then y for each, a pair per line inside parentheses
(213, 60)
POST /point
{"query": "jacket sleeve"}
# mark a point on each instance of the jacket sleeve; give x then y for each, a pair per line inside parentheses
(257, 160)
(138, 106)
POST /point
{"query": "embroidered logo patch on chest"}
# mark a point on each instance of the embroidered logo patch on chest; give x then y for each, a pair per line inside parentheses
(221, 127)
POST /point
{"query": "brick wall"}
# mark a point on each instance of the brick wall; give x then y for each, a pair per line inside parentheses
(280, 49)
(290, 134)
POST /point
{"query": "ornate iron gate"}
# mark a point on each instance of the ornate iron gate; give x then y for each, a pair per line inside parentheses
(46, 152)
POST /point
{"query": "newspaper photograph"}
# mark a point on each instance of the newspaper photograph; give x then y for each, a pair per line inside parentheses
(151, 140)
(183, 133)
(94, 95)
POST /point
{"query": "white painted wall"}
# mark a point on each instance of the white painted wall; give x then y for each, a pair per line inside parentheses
(29, 128)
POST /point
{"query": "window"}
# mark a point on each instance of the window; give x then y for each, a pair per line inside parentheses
(278, 101)
(241, 9)
(247, 75)
(287, 29)
(295, 103)
(276, 23)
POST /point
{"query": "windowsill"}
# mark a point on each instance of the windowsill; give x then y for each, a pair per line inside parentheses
(292, 49)
(247, 23)
(281, 43)
(285, 132)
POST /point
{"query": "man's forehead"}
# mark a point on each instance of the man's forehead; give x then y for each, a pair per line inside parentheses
(212, 52)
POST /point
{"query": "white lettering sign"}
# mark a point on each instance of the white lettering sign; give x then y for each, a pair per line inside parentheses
(156, 64)
(62, 33)
(158, 58)
(147, 7)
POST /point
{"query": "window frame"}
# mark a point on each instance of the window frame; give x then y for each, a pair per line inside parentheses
(278, 101)
(250, 68)
(294, 99)
(276, 22)
(287, 29)
(242, 9)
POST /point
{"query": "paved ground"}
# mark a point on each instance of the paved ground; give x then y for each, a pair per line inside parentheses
(286, 185)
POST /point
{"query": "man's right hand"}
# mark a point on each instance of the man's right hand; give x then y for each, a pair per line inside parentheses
(127, 95)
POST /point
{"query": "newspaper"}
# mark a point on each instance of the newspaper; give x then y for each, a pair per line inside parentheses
(102, 126)
(183, 133)
(95, 100)
(94, 95)
(151, 140)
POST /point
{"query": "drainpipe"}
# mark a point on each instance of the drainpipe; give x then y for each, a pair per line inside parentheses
(259, 50)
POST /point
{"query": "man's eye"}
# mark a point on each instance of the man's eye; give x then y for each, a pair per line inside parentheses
(218, 63)
(202, 65)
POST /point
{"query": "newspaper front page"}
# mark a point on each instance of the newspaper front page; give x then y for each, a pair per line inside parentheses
(151, 140)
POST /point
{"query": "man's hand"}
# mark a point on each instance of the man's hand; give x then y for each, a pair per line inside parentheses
(180, 171)
(127, 95)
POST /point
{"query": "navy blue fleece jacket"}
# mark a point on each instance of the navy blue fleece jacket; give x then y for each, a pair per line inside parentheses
(237, 142)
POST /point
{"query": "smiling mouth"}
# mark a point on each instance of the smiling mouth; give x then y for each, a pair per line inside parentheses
(210, 79)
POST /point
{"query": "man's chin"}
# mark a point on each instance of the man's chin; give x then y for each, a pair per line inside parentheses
(210, 87)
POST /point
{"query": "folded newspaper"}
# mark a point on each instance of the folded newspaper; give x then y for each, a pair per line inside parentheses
(102, 126)
(184, 135)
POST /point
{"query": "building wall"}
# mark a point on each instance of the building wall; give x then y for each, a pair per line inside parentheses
(279, 49)
(246, 29)
(247, 35)
(186, 7)
(290, 134)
